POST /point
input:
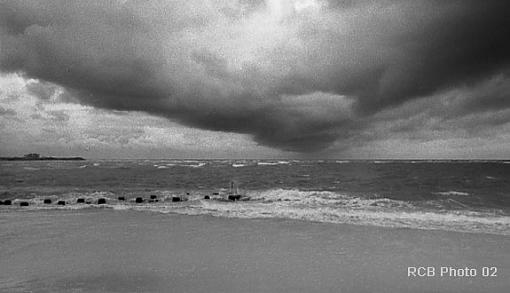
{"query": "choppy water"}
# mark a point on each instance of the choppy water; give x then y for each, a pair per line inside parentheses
(467, 196)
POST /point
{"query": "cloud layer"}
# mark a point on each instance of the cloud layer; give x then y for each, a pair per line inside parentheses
(296, 75)
(39, 117)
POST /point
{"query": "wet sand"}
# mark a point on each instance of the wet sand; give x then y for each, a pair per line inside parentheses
(127, 251)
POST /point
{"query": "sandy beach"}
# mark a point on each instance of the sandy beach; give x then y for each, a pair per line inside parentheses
(100, 250)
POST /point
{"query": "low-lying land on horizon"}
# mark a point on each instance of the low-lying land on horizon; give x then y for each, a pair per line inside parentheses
(37, 157)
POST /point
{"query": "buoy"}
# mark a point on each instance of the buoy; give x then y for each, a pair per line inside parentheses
(61, 203)
(80, 200)
(207, 197)
(47, 201)
(139, 200)
(176, 198)
(23, 204)
(187, 193)
(121, 198)
(153, 197)
(7, 202)
(101, 201)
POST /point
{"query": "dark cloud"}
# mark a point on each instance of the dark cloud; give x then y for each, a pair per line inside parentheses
(388, 52)
(490, 96)
(295, 80)
(480, 106)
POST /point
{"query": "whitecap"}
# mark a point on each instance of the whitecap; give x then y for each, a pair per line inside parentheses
(318, 206)
(266, 164)
(452, 192)
(197, 165)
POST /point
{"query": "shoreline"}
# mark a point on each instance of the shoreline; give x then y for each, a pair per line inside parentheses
(116, 251)
(100, 208)
(415, 220)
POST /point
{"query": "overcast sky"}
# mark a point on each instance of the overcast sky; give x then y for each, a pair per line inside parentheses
(253, 78)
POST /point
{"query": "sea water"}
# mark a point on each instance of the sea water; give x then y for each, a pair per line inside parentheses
(465, 196)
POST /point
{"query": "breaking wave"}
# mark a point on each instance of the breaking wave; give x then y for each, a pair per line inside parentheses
(317, 206)
(452, 192)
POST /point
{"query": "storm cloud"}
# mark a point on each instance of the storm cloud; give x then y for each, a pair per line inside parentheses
(296, 75)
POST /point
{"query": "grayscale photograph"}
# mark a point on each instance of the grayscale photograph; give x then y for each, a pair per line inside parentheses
(254, 146)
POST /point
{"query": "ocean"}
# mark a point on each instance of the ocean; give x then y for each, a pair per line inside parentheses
(463, 196)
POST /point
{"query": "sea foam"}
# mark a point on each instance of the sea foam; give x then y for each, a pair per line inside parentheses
(317, 206)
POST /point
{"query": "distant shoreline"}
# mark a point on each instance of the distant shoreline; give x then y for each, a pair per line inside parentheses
(42, 159)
